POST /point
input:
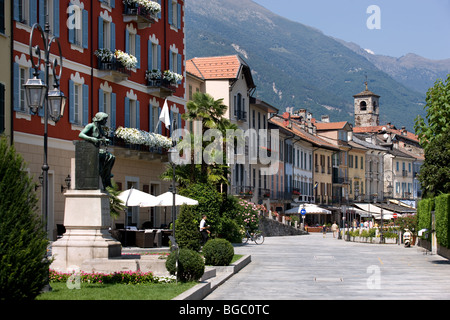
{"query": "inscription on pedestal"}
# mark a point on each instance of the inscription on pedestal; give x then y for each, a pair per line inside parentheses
(86, 166)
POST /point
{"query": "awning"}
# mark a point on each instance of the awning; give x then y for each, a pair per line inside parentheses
(362, 213)
(310, 209)
(376, 211)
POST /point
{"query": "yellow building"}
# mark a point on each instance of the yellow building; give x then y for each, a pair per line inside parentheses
(5, 66)
(356, 171)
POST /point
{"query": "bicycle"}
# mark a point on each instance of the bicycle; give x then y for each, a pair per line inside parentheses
(256, 237)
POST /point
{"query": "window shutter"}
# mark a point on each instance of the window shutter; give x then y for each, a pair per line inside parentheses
(150, 118)
(32, 13)
(127, 41)
(179, 121)
(171, 122)
(179, 65)
(150, 55)
(112, 27)
(170, 61)
(179, 16)
(159, 14)
(100, 32)
(16, 86)
(71, 101)
(16, 13)
(127, 112)
(113, 111)
(138, 115)
(56, 18)
(159, 57)
(42, 12)
(85, 104)
(138, 50)
(85, 29)
(169, 7)
(112, 3)
(160, 125)
(101, 102)
(71, 30)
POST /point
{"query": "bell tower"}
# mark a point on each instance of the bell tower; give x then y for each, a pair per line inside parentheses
(367, 108)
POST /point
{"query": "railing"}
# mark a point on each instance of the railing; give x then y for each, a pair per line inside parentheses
(264, 193)
(244, 191)
(139, 11)
(161, 83)
(113, 65)
(118, 142)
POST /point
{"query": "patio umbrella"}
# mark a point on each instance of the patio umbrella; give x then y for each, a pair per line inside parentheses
(135, 198)
(310, 209)
(166, 200)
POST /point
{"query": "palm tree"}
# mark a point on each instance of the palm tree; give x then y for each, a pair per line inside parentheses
(210, 112)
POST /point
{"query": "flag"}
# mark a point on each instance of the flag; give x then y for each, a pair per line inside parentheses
(165, 115)
(316, 185)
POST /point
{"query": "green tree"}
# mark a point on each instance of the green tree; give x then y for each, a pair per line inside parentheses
(434, 134)
(23, 240)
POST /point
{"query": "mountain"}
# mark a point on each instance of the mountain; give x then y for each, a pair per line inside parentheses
(295, 65)
(415, 72)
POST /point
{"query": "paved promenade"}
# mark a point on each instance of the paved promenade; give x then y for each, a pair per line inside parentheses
(311, 267)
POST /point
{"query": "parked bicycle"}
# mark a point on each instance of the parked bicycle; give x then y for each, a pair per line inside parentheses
(256, 237)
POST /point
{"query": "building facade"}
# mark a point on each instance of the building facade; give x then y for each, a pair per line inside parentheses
(94, 83)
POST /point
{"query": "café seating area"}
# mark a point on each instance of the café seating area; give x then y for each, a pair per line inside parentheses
(131, 236)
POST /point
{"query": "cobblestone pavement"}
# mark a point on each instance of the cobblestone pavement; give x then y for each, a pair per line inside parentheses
(315, 268)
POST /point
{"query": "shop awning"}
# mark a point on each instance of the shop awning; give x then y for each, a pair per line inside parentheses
(375, 211)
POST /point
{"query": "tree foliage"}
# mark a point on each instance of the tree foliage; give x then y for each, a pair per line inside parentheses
(23, 240)
(434, 136)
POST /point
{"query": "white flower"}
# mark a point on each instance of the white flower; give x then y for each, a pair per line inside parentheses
(153, 74)
(128, 61)
(140, 137)
(172, 76)
(148, 5)
(105, 55)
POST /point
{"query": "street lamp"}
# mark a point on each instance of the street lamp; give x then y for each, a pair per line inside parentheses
(38, 96)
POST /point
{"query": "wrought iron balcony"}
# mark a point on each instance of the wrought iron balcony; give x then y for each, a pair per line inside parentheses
(140, 15)
(113, 70)
(160, 87)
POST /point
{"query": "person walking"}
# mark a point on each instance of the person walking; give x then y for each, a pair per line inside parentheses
(324, 230)
(334, 229)
(204, 229)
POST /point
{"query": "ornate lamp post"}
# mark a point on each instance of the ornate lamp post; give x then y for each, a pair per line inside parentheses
(38, 96)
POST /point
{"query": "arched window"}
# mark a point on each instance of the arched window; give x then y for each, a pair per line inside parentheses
(363, 106)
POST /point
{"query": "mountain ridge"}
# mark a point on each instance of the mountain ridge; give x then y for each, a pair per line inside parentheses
(295, 65)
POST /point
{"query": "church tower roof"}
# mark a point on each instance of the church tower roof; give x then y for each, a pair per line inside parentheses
(366, 93)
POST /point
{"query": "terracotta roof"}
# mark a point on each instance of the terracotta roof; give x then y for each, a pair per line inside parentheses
(295, 129)
(225, 67)
(366, 92)
(221, 67)
(378, 129)
(330, 125)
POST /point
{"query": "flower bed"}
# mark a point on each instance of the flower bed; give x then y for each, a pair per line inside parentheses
(124, 277)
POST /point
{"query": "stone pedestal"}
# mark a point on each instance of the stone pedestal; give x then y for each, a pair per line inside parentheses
(87, 220)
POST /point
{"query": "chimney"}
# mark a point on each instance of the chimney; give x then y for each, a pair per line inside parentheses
(302, 114)
(404, 131)
(325, 118)
(350, 135)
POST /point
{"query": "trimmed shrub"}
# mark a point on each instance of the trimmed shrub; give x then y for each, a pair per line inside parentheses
(442, 212)
(230, 230)
(23, 241)
(190, 265)
(424, 213)
(187, 229)
(218, 252)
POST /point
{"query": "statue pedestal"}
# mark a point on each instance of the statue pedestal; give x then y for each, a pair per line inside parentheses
(87, 220)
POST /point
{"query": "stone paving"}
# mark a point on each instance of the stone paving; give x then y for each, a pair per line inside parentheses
(311, 267)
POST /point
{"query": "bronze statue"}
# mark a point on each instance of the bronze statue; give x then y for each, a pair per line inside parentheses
(94, 133)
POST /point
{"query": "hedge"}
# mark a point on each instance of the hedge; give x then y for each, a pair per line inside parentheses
(424, 213)
(442, 212)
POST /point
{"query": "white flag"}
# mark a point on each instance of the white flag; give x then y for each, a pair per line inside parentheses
(165, 115)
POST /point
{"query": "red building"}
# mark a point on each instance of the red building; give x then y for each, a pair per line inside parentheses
(94, 83)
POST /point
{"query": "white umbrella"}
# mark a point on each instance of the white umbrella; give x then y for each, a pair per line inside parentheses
(310, 209)
(135, 198)
(166, 200)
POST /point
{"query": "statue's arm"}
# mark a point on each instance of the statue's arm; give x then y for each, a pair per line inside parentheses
(85, 134)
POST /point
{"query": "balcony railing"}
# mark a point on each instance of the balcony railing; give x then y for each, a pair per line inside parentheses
(139, 14)
(113, 70)
(161, 87)
(243, 191)
(135, 151)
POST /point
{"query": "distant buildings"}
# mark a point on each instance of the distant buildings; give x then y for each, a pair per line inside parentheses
(327, 163)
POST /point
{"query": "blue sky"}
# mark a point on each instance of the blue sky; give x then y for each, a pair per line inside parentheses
(406, 26)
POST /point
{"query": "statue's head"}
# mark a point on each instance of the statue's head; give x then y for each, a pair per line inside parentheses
(100, 117)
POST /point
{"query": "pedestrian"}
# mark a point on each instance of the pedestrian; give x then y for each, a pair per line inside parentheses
(324, 230)
(334, 228)
(204, 229)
